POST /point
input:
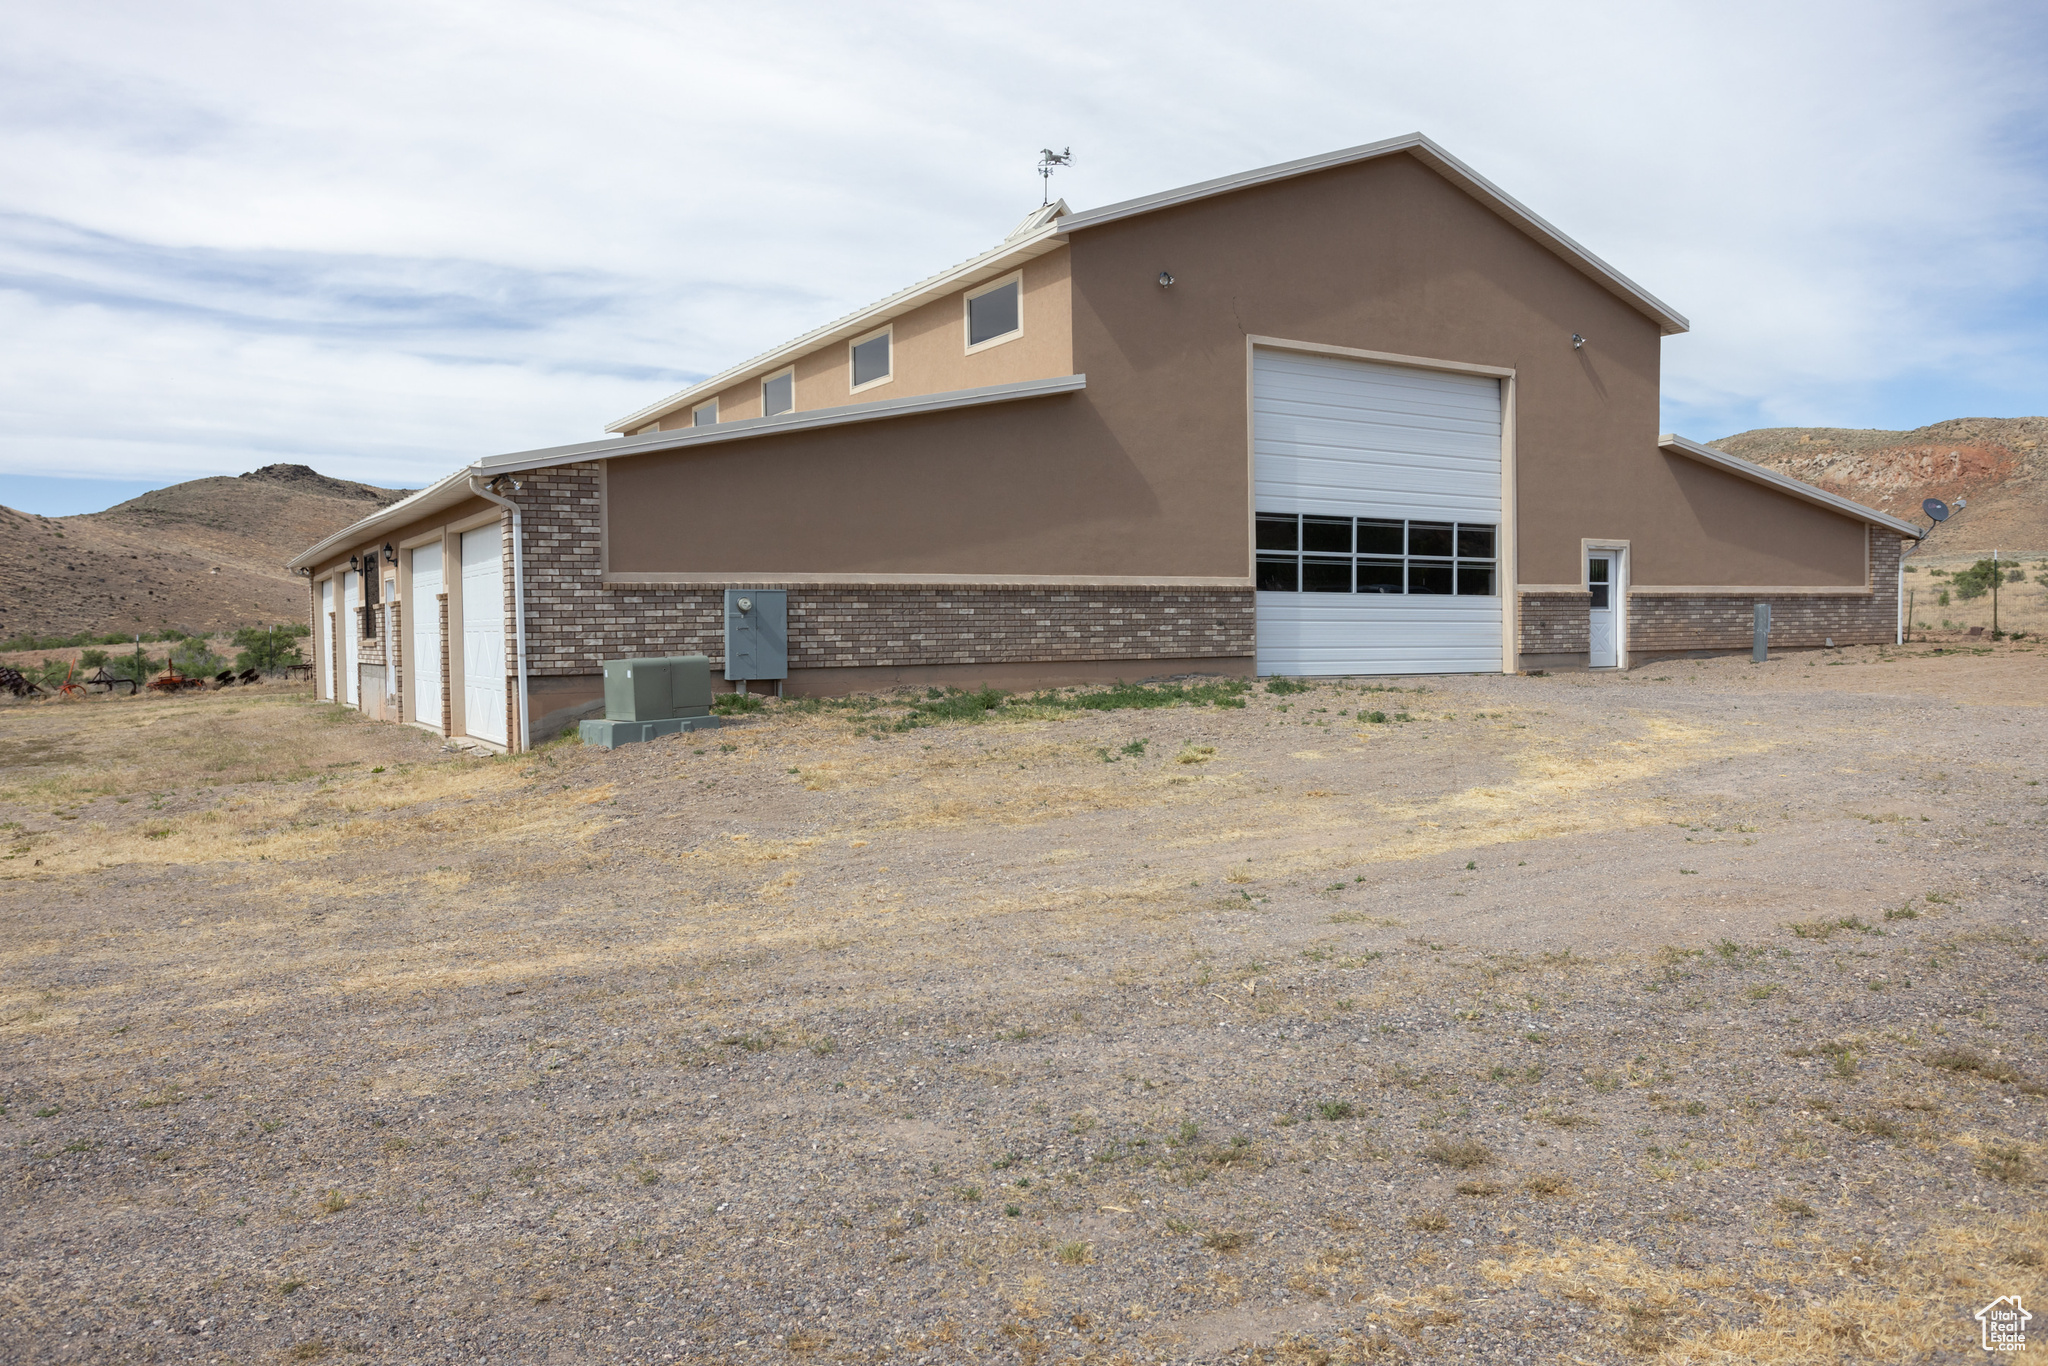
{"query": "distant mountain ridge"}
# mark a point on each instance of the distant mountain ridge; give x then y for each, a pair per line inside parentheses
(1997, 465)
(205, 555)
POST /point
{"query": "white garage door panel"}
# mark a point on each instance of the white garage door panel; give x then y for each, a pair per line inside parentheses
(1344, 436)
(426, 636)
(483, 635)
(1340, 437)
(324, 647)
(1340, 633)
(351, 631)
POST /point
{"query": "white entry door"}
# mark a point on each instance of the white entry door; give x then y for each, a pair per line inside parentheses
(483, 635)
(1377, 490)
(1603, 643)
(323, 646)
(425, 613)
(351, 629)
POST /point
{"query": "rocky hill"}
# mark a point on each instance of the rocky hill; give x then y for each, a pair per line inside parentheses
(1997, 465)
(207, 555)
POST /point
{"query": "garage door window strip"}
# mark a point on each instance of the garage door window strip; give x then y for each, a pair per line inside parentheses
(1308, 553)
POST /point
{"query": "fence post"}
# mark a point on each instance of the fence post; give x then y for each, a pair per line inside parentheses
(1760, 650)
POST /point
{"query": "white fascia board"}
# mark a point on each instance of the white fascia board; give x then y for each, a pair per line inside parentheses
(454, 488)
(1784, 483)
(1478, 186)
(997, 260)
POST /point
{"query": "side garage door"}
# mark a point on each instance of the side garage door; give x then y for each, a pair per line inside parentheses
(1377, 490)
(425, 614)
(483, 635)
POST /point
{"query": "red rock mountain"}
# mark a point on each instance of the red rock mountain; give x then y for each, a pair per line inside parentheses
(1995, 465)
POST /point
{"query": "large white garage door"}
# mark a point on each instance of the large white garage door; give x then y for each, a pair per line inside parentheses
(1377, 489)
(483, 635)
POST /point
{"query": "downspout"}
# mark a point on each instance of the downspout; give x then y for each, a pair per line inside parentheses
(518, 593)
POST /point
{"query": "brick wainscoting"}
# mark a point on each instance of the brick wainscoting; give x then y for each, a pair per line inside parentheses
(574, 621)
(1663, 623)
(1556, 624)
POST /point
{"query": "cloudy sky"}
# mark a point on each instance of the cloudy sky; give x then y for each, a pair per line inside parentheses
(384, 238)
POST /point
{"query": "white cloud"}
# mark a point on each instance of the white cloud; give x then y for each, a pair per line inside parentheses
(382, 237)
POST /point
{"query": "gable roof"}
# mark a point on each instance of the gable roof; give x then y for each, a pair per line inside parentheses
(1048, 228)
(1784, 483)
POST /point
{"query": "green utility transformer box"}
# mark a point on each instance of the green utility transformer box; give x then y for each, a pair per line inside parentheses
(644, 698)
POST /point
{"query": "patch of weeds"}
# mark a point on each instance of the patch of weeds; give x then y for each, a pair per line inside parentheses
(967, 1195)
(1824, 929)
(1461, 1153)
(1991, 1069)
(2006, 1162)
(1195, 754)
(1794, 1206)
(1385, 922)
(1223, 1240)
(1902, 913)
(1336, 1109)
(1871, 1126)
(736, 703)
(1287, 1121)
(1762, 992)
(1135, 749)
(1281, 687)
(1479, 1189)
(1547, 1184)
(1429, 1222)
(750, 1043)
(1071, 1254)
(334, 1202)
(1012, 1211)
(47, 1112)
(288, 1287)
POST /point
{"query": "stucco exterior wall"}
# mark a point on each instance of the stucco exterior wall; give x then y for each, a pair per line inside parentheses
(929, 352)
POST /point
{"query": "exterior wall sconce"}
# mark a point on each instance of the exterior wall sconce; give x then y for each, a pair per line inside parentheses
(355, 564)
(390, 553)
(1165, 278)
(1578, 342)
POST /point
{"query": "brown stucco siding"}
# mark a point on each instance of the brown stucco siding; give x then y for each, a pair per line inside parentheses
(1713, 527)
(928, 352)
(575, 621)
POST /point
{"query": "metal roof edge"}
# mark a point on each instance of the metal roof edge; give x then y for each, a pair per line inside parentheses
(995, 261)
(514, 462)
(1784, 483)
(1439, 160)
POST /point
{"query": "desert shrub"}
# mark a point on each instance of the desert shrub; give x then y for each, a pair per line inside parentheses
(269, 649)
(193, 655)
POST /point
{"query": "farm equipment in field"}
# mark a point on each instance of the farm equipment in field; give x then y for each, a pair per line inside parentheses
(13, 682)
(171, 681)
(68, 688)
(100, 678)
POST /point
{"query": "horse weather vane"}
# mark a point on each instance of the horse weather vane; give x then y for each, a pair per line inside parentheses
(1048, 162)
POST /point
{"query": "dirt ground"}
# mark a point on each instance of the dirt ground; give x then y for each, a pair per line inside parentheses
(1688, 1015)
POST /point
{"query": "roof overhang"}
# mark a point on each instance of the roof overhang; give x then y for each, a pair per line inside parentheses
(454, 489)
(1784, 483)
(1049, 228)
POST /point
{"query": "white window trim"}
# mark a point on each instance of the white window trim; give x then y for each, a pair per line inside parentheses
(767, 380)
(862, 340)
(1015, 277)
(712, 404)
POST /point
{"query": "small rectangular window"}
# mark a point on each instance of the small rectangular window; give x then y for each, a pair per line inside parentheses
(1475, 580)
(1475, 542)
(778, 395)
(1278, 531)
(705, 414)
(1379, 576)
(1377, 537)
(871, 360)
(1427, 576)
(1325, 576)
(1277, 576)
(1430, 538)
(992, 314)
(1326, 535)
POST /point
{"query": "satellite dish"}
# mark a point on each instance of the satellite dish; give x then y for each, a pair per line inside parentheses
(1935, 508)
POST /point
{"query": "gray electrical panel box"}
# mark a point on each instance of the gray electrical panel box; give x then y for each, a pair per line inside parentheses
(657, 689)
(756, 633)
(645, 698)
